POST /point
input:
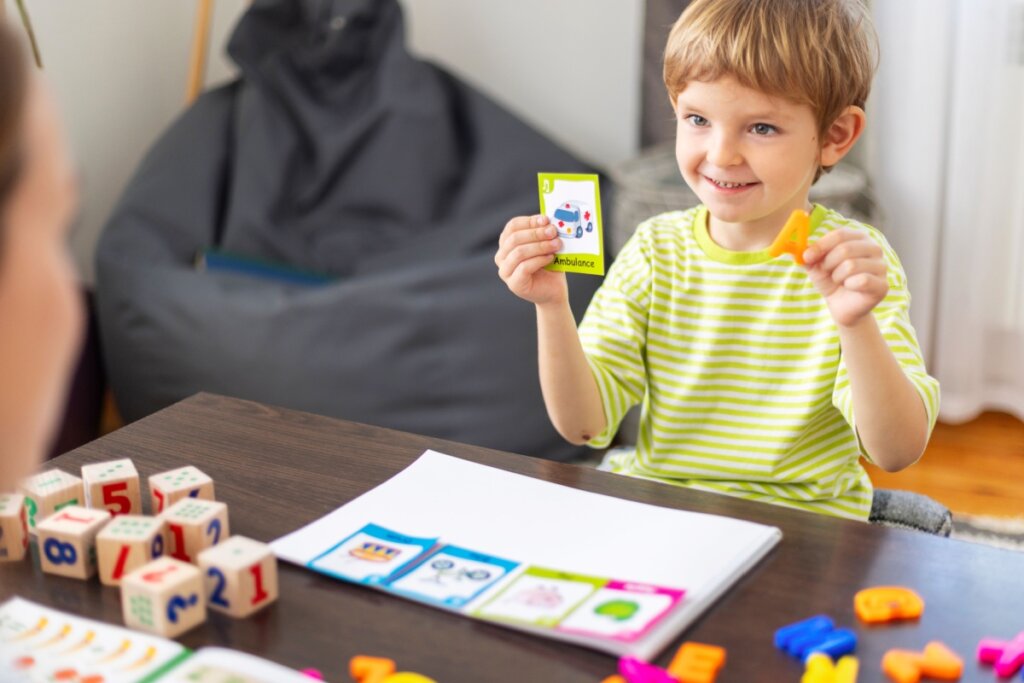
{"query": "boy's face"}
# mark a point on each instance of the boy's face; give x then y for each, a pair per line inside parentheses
(749, 157)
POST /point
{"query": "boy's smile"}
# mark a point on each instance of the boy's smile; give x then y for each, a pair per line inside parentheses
(750, 158)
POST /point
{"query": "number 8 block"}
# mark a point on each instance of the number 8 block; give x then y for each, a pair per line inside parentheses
(127, 543)
(240, 576)
(113, 486)
(67, 541)
(194, 525)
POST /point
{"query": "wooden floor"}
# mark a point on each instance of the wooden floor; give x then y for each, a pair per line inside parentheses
(975, 468)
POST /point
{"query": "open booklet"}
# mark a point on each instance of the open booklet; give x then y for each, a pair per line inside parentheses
(39, 644)
(607, 573)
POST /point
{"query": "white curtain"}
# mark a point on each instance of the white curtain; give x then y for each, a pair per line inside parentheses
(946, 154)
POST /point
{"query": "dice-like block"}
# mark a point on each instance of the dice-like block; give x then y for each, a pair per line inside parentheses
(193, 525)
(13, 527)
(240, 576)
(126, 544)
(113, 486)
(167, 488)
(49, 491)
(164, 597)
(67, 541)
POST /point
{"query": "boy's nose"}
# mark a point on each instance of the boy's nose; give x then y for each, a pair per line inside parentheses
(723, 151)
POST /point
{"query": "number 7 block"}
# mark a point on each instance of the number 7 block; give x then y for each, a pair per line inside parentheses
(67, 541)
(240, 576)
(167, 488)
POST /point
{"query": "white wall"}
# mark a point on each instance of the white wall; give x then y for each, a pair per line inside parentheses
(571, 68)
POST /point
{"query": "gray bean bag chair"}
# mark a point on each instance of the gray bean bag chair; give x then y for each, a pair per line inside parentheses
(335, 152)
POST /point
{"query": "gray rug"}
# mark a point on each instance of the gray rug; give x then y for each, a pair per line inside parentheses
(1002, 532)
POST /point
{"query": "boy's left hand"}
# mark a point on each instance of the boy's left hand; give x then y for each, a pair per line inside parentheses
(849, 270)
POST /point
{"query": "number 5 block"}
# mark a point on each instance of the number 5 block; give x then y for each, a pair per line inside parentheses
(49, 491)
(240, 575)
(113, 486)
(13, 527)
(164, 597)
(169, 487)
(126, 544)
(193, 525)
(67, 541)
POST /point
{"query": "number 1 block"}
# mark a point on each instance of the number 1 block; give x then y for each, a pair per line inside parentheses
(240, 575)
(164, 597)
(49, 491)
(13, 527)
(126, 544)
(169, 487)
(194, 525)
(113, 486)
(67, 541)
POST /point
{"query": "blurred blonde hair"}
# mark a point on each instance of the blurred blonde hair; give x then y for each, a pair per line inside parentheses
(822, 53)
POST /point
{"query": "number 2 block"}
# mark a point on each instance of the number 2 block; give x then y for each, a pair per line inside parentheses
(113, 486)
(13, 527)
(164, 597)
(67, 541)
(49, 491)
(169, 487)
(194, 525)
(240, 576)
(126, 544)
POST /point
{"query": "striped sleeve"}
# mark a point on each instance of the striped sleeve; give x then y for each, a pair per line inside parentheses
(893, 317)
(614, 332)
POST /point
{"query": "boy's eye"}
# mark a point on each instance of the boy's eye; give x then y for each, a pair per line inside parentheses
(697, 120)
(763, 129)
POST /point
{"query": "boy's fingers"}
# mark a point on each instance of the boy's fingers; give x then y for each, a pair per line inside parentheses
(850, 250)
(851, 267)
(525, 252)
(525, 270)
(520, 231)
(866, 283)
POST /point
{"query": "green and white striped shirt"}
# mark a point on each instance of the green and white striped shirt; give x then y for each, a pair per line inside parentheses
(736, 363)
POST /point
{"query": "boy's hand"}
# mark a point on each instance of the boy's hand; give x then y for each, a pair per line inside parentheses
(849, 270)
(527, 244)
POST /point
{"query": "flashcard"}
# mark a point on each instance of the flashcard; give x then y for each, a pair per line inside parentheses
(540, 597)
(372, 555)
(622, 611)
(572, 202)
(452, 576)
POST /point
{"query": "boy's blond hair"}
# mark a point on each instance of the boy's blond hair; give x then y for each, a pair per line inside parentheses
(817, 52)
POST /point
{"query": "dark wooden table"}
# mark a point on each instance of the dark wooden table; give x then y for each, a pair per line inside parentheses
(279, 469)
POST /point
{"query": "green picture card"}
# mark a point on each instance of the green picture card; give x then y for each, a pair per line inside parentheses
(572, 202)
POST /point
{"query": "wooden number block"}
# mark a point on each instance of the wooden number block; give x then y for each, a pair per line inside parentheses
(126, 544)
(13, 527)
(169, 487)
(113, 486)
(164, 597)
(194, 525)
(48, 492)
(240, 575)
(67, 541)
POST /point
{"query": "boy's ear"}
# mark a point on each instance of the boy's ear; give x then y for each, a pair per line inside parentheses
(840, 136)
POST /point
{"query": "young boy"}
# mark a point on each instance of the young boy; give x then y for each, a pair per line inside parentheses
(757, 376)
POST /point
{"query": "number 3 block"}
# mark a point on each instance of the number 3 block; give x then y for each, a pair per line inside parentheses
(113, 486)
(13, 527)
(193, 525)
(240, 575)
(49, 491)
(67, 541)
(164, 597)
(169, 487)
(126, 544)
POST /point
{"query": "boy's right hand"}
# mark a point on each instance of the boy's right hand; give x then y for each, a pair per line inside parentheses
(527, 244)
